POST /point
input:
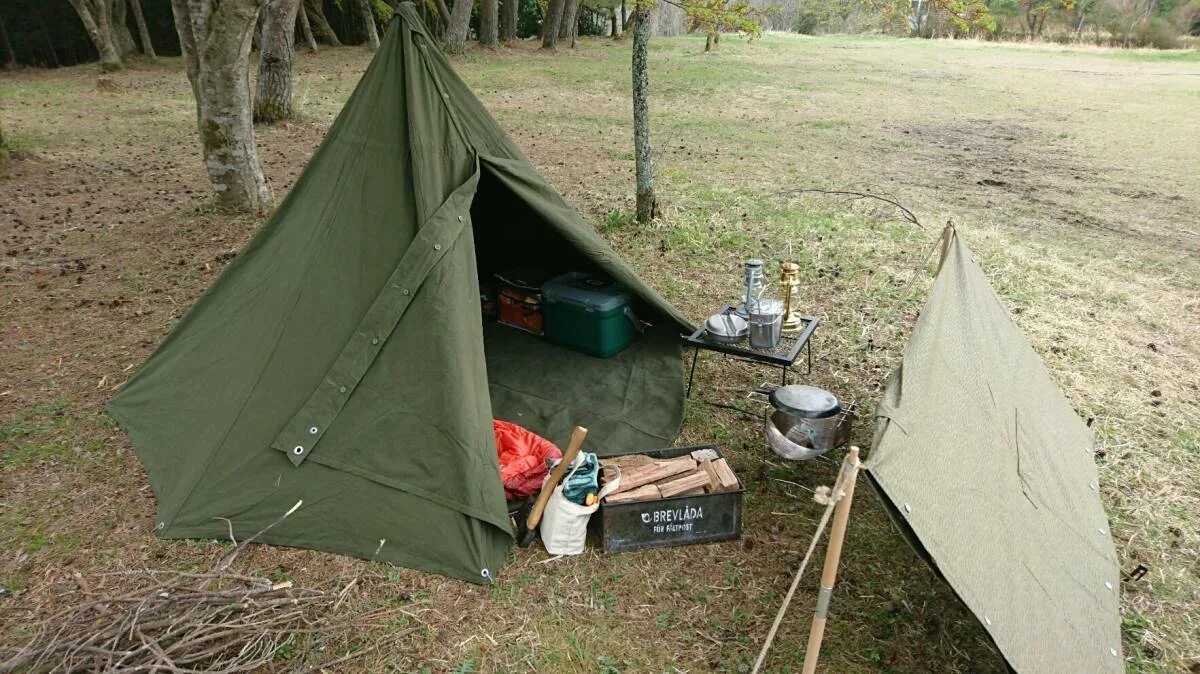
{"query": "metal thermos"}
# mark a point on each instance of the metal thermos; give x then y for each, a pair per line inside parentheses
(754, 286)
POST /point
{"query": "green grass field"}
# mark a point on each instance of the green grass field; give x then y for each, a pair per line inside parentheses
(1072, 173)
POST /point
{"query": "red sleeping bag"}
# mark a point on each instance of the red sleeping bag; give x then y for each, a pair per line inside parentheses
(523, 455)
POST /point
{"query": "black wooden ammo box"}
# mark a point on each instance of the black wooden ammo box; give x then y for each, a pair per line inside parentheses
(679, 520)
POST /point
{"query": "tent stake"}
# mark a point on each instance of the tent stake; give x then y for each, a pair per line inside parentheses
(833, 555)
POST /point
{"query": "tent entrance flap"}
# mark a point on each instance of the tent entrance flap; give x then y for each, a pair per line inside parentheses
(632, 401)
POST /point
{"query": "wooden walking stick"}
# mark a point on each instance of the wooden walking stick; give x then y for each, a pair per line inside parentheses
(833, 555)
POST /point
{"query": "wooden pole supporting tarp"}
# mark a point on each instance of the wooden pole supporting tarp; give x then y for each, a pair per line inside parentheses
(833, 556)
(843, 488)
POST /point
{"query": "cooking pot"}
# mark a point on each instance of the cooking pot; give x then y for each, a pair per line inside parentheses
(726, 328)
(805, 418)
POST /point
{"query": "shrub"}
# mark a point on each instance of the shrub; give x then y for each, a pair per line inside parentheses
(1157, 33)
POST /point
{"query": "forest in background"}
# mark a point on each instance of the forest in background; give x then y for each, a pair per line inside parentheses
(49, 33)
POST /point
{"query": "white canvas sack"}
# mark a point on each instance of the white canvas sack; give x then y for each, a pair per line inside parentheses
(564, 524)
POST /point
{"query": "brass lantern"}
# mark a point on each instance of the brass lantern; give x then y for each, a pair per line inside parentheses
(789, 282)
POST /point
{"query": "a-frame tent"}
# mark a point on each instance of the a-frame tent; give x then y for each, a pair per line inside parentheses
(990, 473)
(341, 358)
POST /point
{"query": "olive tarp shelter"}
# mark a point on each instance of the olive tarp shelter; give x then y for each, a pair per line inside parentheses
(990, 472)
(341, 358)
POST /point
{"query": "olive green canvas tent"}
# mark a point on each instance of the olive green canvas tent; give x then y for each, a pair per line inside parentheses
(341, 359)
(990, 471)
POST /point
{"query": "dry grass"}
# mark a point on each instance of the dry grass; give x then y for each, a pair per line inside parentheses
(1073, 173)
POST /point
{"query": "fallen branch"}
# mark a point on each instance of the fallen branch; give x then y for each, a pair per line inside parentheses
(216, 621)
(905, 214)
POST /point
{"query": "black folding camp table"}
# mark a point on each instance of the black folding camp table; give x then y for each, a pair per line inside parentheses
(782, 356)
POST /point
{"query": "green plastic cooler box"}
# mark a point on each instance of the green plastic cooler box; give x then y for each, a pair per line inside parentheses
(588, 313)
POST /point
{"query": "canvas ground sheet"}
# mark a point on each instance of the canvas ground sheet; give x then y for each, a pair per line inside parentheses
(340, 359)
(981, 455)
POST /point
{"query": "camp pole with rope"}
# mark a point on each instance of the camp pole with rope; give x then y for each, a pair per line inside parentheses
(837, 505)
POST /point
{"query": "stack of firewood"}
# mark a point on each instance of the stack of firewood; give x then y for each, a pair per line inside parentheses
(646, 479)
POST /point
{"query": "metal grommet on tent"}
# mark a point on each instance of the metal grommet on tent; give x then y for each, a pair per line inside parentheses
(1113, 652)
(1108, 586)
(374, 340)
(437, 246)
(987, 620)
(341, 389)
(160, 526)
(460, 218)
(486, 574)
(907, 508)
(313, 430)
(298, 450)
(446, 96)
(404, 291)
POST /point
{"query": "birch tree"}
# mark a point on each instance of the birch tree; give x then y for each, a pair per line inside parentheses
(214, 36)
(97, 18)
(274, 99)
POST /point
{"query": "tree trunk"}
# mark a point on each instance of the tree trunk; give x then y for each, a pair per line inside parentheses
(306, 29)
(647, 206)
(143, 32)
(489, 17)
(95, 16)
(459, 26)
(320, 24)
(508, 19)
(10, 58)
(3, 143)
(120, 28)
(215, 40)
(443, 13)
(617, 23)
(274, 99)
(367, 16)
(550, 23)
(570, 19)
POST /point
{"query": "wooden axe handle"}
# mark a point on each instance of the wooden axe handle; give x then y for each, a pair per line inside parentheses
(556, 476)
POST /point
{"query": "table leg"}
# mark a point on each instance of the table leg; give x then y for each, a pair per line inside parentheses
(692, 374)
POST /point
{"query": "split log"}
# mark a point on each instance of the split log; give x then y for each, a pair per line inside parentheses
(647, 492)
(714, 480)
(655, 472)
(725, 476)
(680, 485)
